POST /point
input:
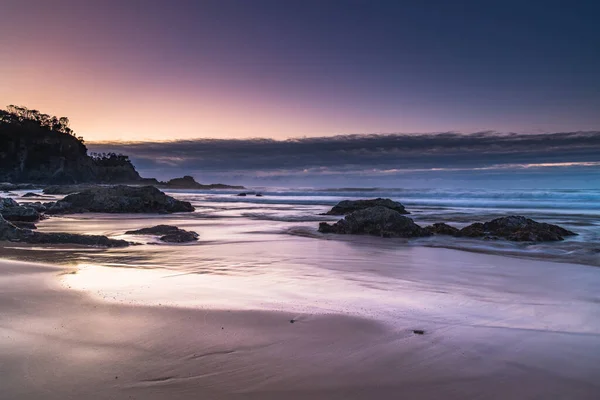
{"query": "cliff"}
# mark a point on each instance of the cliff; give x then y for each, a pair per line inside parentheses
(40, 148)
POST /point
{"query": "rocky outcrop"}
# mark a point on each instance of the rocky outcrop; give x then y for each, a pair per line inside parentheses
(12, 211)
(39, 207)
(120, 199)
(188, 182)
(24, 224)
(516, 228)
(349, 206)
(378, 221)
(68, 189)
(31, 194)
(9, 232)
(36, 147)
(20, 213)
(8, 187)
(7, 202)
(167, 233)
(441, 229)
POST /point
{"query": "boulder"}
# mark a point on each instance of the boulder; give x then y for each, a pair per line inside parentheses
(379, 221)
(31, 194)
(20, 213)
(9, 232)
(168, 233)
(120, 199)
(37, 206)
(349, 206)
(441, 229)
(6, 202)
(24, 225)
(68, 189)
(242, 194)
(516, 228)
(7, 186)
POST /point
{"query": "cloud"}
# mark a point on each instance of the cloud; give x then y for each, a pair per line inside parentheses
(371, 155)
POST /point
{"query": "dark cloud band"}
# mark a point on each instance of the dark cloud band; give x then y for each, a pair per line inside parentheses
(394, 151)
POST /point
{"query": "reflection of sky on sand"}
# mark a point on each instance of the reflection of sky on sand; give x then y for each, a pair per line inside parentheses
(434, 286)
(246, 258)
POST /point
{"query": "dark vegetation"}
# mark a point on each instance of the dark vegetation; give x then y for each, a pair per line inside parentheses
(41, 148)
(37, 147)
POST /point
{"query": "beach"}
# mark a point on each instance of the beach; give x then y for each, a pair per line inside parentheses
(264, 307)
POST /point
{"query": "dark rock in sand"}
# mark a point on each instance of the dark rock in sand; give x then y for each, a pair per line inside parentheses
(242, 194)
(442, 229)
(180, 237)
(30, 194)
(259, 195)
(6, 202)
(516, 228)
(349, 206)
(168, 233)
(37, 206)
(379, 221)
(20, 213)
(120, 199)
(24, 225)
(9, 232)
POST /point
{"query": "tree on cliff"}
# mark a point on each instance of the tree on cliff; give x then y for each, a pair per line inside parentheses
(17, 115)
(37, 147)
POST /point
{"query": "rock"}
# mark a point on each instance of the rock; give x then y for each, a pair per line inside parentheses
(120, 199)
(24, 225)
(20, 213)
(37, 206)
(7, 203)
(348, 206)
(155, 230)
(168, 233)
(68, 189)
(31, 194)
(7, 187)
(10, 232)
(180, 237)
(516, 228)
(418, 331)
(441, 229)
(379, 221)
(242, 194)
(475, 230)
(259, 195)
(188, 182)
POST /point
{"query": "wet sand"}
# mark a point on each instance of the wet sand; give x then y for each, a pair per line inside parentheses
(59, 343)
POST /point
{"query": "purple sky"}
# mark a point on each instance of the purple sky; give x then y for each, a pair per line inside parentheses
(163, 70)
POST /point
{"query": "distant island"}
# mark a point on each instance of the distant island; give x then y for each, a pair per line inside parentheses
(42, 149)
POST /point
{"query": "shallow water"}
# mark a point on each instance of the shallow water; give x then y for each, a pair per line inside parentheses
(265, 253)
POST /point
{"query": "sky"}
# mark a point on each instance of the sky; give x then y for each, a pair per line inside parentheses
(152, 71)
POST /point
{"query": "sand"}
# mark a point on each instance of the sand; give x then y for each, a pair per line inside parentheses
(59, 343)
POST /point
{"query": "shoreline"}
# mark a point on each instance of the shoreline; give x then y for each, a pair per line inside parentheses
(57, 343)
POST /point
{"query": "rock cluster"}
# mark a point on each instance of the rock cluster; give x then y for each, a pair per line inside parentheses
(167, 233)
(516, 228)
(378, 221)
(385, 219)
(120, 199)
(10, 232)
(20, 215)
(349, 206)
